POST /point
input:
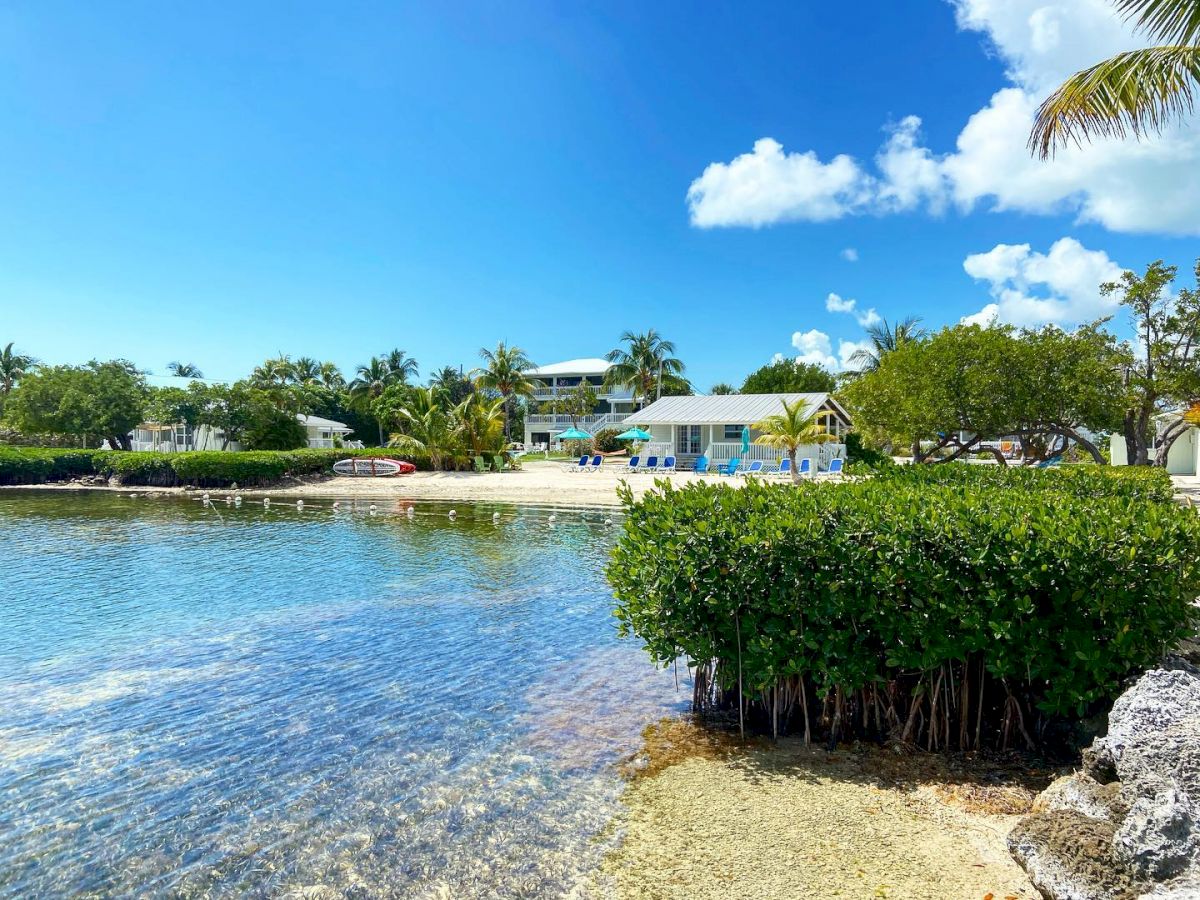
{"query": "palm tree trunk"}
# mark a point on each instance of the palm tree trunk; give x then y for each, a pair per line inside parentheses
(380, 424)
(792, 463)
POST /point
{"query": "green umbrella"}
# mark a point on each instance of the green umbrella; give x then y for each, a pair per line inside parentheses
(745, 439)
(634, 434)
(573, 434)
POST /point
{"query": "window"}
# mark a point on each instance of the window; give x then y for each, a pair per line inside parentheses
(687, 440)
(733, 432)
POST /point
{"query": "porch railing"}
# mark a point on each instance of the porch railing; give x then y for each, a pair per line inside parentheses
(723, 451)
(562, 423)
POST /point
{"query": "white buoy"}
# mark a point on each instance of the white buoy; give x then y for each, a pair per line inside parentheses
(336, 505)
(372, 507)
(453, 513)
(495, 518)
(266, 501)
(299, 504)
(553, 518)
(228, 499)
(409, 511)
(608, 521)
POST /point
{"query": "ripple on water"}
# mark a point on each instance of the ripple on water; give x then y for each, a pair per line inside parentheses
(272, 701)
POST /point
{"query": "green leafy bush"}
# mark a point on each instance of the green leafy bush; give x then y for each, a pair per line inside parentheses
(1082, 480)
(605, 441)
(201, 468)
(867, 457)
(950, 608)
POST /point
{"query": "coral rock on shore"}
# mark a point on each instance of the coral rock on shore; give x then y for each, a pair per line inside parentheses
(1128, 826)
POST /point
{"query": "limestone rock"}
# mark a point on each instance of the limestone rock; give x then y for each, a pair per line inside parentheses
(1069, 856)
(1159, 700)
(1083, 794)
(1160, 837)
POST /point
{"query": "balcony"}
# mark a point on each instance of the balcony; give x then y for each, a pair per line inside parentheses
(545, 392)
(591, 424)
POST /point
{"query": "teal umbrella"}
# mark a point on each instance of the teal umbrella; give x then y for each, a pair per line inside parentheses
(634, 434)
(573, 434)
(745, 439)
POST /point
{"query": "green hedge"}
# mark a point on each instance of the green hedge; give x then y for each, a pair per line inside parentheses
(201, 468)
(951, 609)
(1080, 480)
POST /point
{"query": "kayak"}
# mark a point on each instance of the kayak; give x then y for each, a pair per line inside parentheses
(373, 467)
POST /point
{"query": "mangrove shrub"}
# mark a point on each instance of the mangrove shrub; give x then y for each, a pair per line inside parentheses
(958, 610)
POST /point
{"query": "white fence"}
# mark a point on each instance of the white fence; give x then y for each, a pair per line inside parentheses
(723, 451)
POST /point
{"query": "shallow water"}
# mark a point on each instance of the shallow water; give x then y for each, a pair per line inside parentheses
(248, 701)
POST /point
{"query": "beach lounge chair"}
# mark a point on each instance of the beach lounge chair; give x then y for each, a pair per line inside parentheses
(668, 465)
(835, 469)
(595, 466)
(480, 464)
(755, 468)
(1047, 463)
(806, 468)
(731, 467)
(577, 466)
(498, 462)
(784, 468)
(651, 464)
(701, 467)
(633, 463)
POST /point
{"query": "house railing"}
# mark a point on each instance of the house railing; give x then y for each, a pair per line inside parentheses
(723, 451)
(590, 424)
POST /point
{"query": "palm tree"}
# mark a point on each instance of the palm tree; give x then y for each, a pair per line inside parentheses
(1139, 90)
(427, 428)
(368, 384)
(791, 430)
(884, 339)
(273, 372)
(504, 372)
(184, 370)
(644, 365)
(401, 366)
(455, 386)
(306, 370)
(722, 387)
(13, 367)
(331, 376)
(479, 424)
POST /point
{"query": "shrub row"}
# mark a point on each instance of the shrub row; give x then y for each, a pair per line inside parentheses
(201, 468)
(951, 610)
(1079, 480)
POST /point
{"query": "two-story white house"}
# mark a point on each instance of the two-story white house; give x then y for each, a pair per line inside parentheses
(543, 421)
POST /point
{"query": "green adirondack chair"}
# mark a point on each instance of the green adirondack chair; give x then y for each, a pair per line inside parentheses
(498, 462)
(480, 464)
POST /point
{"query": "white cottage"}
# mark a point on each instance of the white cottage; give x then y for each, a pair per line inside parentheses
(686, 427)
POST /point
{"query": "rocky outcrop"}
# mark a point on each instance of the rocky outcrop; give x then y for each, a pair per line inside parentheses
(1128, 825)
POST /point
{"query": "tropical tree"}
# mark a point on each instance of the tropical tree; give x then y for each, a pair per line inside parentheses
(229, 408)
(576, 404)
(885, 339)
(95, 402)
(273, 373)
(1164, 372)
(645, 365)
(1139, 90)
(401, 366)
(13, 367)
(504, 371)
(452, 383)
(721, 388)
(184, 369)
(370, 381)
(306, 370)
(479, 424)
(791, 430)
(426, 427)
(331, 376)
(787, 376)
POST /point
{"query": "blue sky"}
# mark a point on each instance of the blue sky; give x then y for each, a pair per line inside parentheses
(223, 182)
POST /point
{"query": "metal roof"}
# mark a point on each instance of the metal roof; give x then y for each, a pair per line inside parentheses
(593, 366)
(318, 422)
(721, 409)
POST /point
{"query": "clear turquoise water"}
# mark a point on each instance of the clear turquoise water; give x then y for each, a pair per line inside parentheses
(246, 701)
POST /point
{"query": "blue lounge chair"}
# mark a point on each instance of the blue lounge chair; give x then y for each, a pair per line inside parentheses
(755, 468)
(806, 468)
(701, 465)
(731, 467)
(785, 467)
(668, 465)
(1047, 463)
(651, 464)
(835, 468)
(633, 463)
(595, 466)
(577, 467)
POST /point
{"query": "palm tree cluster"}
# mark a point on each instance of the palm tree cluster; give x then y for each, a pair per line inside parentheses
(449, 433)
(505, 373)
(376, 375)
(647, 366)
(282, 370)
(1139, 91)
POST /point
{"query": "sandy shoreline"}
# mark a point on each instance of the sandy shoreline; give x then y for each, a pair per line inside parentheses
(796, 822)
(537, 483)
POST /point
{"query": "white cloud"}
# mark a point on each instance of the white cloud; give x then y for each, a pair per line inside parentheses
(767, 186)
(865, 317)
(815, 347)
(1129, 186)
(1031, 288)
(850, 254)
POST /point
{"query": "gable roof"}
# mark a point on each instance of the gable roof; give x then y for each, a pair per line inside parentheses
(318, 422)
(725, 409)
(589, 366)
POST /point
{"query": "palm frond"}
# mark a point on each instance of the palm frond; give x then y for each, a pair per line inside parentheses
(1139, 91)
(1169, 21)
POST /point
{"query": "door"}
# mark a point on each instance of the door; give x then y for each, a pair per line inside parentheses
(687, 440)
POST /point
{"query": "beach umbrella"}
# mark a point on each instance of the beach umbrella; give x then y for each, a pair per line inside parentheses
(745, 439)
(634, 434)
(573, 434)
